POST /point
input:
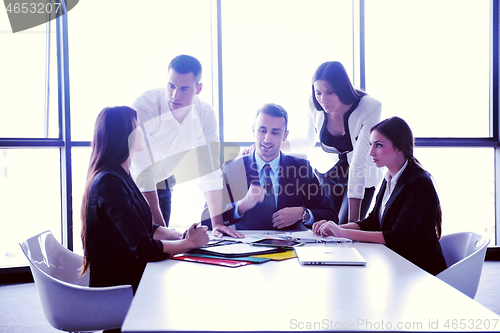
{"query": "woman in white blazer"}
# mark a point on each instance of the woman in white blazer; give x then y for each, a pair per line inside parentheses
(340, 118)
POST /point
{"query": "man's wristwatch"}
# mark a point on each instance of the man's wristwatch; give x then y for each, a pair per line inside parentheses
(305, 215)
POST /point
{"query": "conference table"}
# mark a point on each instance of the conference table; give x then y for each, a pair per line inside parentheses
(389, 293)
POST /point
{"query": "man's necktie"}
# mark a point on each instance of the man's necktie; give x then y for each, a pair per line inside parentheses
(269, 199)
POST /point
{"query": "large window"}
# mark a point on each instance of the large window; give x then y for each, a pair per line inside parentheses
(270, 50)
(30, 199)
(115, 58)
(467, 191)
(428, 62)
(28, 63)
(30, 191)
(124, 48)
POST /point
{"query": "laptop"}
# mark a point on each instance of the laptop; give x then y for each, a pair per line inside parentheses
(324, 255)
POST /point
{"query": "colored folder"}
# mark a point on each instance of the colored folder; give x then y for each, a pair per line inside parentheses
(237, 250)
(212, 261)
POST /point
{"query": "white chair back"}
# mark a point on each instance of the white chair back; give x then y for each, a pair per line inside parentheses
(464, 253)
(69, 304)
(48, 255)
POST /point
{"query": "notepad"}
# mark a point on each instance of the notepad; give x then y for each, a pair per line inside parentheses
(237, 250)
(308, 236)
(252, 259)
(328, 255)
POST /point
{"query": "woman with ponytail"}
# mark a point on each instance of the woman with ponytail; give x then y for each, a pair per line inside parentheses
(407, 213)
(118, 234)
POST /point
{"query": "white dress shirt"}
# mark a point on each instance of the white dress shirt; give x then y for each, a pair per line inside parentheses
(171, 143)
(391, 184)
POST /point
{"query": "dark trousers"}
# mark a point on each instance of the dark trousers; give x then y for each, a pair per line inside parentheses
(164, 190)
(336, 190)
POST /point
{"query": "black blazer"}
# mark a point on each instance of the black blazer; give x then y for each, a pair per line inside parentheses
(409, 219)
(298, 187)
(119, 239)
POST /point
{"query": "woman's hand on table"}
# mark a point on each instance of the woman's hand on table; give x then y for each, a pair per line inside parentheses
(326, 228)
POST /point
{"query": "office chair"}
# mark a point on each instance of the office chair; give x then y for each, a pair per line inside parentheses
(464, 253)
(69, 304)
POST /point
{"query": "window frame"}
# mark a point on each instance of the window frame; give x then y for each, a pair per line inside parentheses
(63, 142)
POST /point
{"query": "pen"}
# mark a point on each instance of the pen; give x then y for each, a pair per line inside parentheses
(184, 235)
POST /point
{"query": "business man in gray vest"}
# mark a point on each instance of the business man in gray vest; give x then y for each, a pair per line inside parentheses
(268, 190)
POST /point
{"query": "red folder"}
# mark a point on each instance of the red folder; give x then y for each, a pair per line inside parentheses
(212, 261)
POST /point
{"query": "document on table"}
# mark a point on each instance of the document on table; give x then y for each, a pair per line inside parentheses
(251, 238)
(237, 250)
(308, 236)
(246, 240)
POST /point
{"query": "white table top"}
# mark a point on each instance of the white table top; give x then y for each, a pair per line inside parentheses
(389, 293)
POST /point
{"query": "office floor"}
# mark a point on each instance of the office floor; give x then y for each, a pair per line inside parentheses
(21, 311)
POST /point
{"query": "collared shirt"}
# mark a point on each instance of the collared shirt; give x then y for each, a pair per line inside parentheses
(171, 143)
(362, 171)
(391, 184)
(273, 174)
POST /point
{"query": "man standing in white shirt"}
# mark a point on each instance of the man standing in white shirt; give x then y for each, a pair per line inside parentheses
(174, 121)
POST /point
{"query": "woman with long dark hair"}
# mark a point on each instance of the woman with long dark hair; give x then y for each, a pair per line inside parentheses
(340, 118)
(407, 213)
(118, 234)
